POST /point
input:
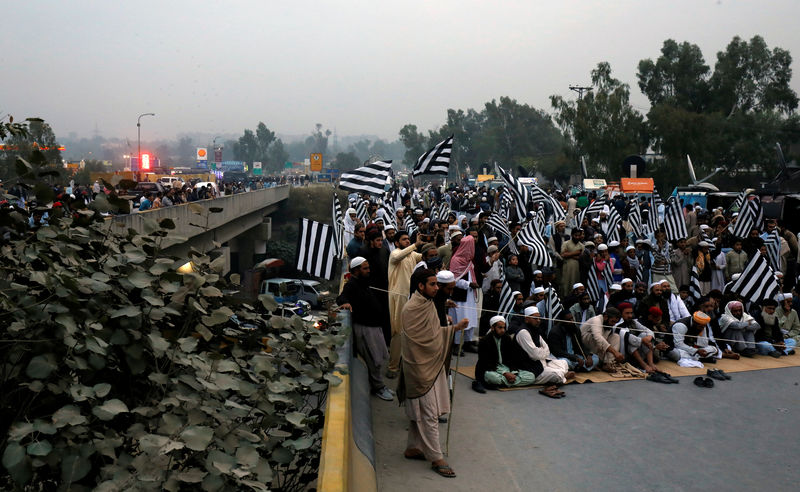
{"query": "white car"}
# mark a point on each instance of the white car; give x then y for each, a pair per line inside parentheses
(207, 184)
(170, 182)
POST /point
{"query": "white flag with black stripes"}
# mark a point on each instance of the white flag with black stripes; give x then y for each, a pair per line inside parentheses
(436, 160)
(315, 249)
(367, 179)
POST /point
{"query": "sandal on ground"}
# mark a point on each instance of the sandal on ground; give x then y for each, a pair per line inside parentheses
(444, 470)
(551, 392)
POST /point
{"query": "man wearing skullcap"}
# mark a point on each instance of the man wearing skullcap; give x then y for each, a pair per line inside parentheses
(570, 252)
(654, 298)
(739, 326)
(531, 338)
(446, 251)
(401, 264)
(597, 334)
(770, 338)
(368, 315)
(788, 318)
(498, 358)
(692, 338)
(642, 351)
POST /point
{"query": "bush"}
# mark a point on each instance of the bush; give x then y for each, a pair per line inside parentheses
(120, 373)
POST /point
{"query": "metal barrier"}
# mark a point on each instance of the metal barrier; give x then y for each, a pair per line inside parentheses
(347, 462)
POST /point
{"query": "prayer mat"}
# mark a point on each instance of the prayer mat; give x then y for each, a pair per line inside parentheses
(757, 363)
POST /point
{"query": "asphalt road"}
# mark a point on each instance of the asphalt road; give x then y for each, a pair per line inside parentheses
(743, 434)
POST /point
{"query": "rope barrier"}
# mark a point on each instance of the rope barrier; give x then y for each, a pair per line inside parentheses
(611, 327)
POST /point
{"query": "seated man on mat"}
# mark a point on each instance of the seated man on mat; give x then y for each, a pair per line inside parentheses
(597, 335)
(769, 339)
(639, 352)
(564, 340)
(692, 339)
(548, 370)
(498, 354)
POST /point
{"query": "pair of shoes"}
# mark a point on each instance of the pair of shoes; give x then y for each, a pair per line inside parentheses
(552, 392)
(668, 377)
(444, 470)
(790, 352)
(718, 374)
(775, 354)
(384, 394)
(708, 360)
(391, 374)
(657, 377)
(703, 382)
(478, 387)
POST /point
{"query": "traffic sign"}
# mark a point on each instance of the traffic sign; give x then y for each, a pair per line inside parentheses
(316, 162)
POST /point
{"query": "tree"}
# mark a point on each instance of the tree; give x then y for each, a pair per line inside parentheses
(414, 143)
(346, 161)
(186, 151)
(37, 144)
(603, 125)
(264, 138)
(318, 141)
(679, 77)
(277, 156)
(246, 149)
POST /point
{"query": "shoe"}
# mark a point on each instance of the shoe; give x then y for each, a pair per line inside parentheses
(657, 377)
(790, 352)
(391, 374)
(775, 354)
(669, 378)
(384, 394)
(723, 374)
(708, 360)
(478, 387)
(703, 382)
(715, 374)
(748, 352)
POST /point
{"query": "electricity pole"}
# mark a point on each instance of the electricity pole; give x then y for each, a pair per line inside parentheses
(580, 90)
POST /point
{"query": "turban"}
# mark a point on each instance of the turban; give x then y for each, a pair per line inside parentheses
(496, 319)
(531, 310)
(701, 318)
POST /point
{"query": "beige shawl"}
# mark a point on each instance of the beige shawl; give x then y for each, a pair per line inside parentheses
(425, 346)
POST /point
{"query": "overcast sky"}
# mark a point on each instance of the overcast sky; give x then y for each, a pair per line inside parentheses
(359, 67)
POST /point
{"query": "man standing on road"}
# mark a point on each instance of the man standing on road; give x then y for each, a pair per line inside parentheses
(358, 297)
(423, 382)
(401, 264)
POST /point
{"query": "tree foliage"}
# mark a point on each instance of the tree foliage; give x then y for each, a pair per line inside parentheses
(261, 146)
(120, 373)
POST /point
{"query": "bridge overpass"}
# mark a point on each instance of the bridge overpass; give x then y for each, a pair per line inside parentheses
(239, 222)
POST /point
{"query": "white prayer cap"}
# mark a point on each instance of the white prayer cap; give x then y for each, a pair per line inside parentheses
(665, 281)
(613, 244)
(704, 244)
(531, 310)
(629, 248)
(704, 226)
(736, 276)
(626, 280)
(454, 228)
(602, 247)
(455, 234)
(492, 249)
(426, 220)
(496, 319)
(735, 214)
(538, 290)
(351, 210)
(654, 284)
(779, 274)
(445, 277)
(616, 287)
(515, 294)
(357, 261)
(589, 244)
(575, 286)
(491, 239)
(389, 227)
(418, 211)
(537, 272)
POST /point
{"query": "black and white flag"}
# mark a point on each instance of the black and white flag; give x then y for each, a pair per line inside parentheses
(611, 227)
(315, 249)
(737, 204)
(361, 212)
(757, 281)
(338, 227)
(653, 218)
(436, 160)
(539, 195)
(635, 218)
(674, 223)
(750, 217)
(530, 237)
(592, 285)
(367, 179)
(410, 226)
(518, 192)
(498, 224)
(694, 285)
(773, 243)
(594, 208)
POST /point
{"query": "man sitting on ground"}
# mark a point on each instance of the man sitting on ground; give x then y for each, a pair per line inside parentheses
(770, 337)
(597, 335)
(498, 356)
(564, 341)
(692, 339)
(740, 327)
(547, 369)
(641, 352)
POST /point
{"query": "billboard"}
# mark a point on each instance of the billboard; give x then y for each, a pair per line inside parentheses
(316, 162)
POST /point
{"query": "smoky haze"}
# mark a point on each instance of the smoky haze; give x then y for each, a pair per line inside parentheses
(357, 67)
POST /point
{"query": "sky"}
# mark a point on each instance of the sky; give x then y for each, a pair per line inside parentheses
(359, 67)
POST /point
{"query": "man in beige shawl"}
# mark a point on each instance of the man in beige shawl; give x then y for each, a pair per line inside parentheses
(425, 346)
(401, 264)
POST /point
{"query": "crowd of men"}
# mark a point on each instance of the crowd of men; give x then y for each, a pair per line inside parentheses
(429, 276)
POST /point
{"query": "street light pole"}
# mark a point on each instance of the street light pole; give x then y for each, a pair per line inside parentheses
(139, 139)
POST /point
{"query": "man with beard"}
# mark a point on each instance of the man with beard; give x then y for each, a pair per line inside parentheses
(548, 370)
(597, 334)
(570, 252)
(423, 380)
(360, 299)
(442, 301)
(516, 314)
(577, 291)
(769, 339)
(625, 294)
(378, 258)
(498, 357)
(654, 298)
(677, 309)
(564, 342)
(740, 327)
(446, 251)
(389, 231)
(693, 338)
(640, 352)
(582, 310)
(401, 264)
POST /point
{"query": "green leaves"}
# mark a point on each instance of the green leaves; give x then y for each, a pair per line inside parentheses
(41, 366)
(197, 438)
(68, 415)
(110, 409)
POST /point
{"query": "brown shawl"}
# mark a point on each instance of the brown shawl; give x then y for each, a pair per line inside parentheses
(425, 346)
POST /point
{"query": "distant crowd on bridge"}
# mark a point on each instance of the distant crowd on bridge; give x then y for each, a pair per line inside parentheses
(545, 284)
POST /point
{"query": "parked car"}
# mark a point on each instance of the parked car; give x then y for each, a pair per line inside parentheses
(170, 182)
(298, 308)
(143, 187)
(291, 290)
